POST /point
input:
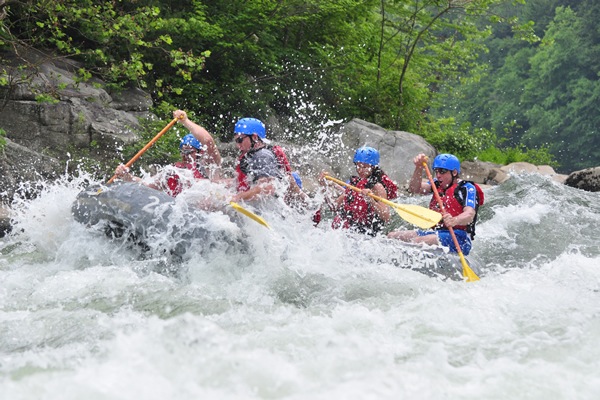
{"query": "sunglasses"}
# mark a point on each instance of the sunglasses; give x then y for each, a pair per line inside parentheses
(362, 165)
(240, 139)
(441, 171)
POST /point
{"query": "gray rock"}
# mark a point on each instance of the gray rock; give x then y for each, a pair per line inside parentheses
(586, 179)
(524, 167)
(478, 171)
(5, 225)
(132, 99)
(21, 168)
(74, 117)
(497, 176)
(397, 149)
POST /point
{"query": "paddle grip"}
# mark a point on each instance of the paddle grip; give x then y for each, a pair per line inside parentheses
(146, 147)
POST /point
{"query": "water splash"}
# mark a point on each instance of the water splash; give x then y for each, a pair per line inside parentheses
(304, 312)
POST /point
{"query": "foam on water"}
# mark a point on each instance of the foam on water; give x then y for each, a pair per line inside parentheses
(305, 314)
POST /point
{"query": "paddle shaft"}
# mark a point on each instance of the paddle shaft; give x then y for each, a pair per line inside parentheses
(146, 147)
(386, 201)
(467, 271)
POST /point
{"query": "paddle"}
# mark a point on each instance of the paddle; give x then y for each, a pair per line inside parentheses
(467, 271)
(146, 147)
(235, 206)
(249, 214)
(420, 216)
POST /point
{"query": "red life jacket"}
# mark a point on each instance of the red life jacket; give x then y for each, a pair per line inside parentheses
(242, 178)
(453, 199)
(357, 212)
(281, 158)
(175, 187)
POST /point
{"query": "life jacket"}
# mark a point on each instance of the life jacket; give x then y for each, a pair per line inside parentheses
(454, 199)
(357, 212)
(174, 185)
(242, 172)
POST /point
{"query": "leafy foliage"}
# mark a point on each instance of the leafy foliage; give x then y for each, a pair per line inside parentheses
(542, 95)
(518, 154)
(468, 144)
(2, 139)
(392, 62)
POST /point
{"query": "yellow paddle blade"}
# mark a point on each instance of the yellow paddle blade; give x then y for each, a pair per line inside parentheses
(467, 271)
(249, 214)
(419, 216)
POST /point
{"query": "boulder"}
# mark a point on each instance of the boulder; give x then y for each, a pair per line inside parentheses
(497, 176)
(5, 225)
(54, 116)
(586, 179)
(21, 168)
(131, 99)
(478, 171)
(520, 167)
(397, 149)
(524, 167)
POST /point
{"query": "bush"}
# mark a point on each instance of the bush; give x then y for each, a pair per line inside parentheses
(447, 137)
(461, 141)
(2, 140)
(509, 155)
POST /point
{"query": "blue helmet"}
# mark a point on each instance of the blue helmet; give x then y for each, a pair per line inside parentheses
(190, 140)
(250, 126)
(447, 161)
(297, 178)
(367, 155)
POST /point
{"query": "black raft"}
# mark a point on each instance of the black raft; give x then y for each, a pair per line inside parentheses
(156, 221)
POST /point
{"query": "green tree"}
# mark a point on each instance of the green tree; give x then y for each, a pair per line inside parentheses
(564, 91)
(540, 95)
(388, 61)
(420, 46)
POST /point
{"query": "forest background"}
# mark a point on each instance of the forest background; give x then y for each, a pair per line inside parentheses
(493, 80)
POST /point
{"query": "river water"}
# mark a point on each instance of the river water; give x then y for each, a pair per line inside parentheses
(299, 313)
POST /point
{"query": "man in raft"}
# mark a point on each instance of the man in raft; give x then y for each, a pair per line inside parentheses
(359, 211)
(200, 159)
(461, 201)
(260, 165)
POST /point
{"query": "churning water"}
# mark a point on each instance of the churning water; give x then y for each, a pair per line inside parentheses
(298, 313)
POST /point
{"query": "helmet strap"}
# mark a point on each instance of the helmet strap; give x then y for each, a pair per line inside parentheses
(254, 142)
(453, 177)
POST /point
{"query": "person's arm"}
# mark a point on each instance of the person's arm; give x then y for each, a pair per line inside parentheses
(327, 184)
(417, 185)
(213, 154)
(122, 172)
(263, 187)
(464, 218)
(338, 202)
(382, 209)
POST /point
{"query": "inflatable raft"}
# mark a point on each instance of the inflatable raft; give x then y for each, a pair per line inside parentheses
(156, 221)
(161, 224)
(433, 261)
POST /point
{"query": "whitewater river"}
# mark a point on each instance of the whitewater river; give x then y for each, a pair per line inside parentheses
(298, 312)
